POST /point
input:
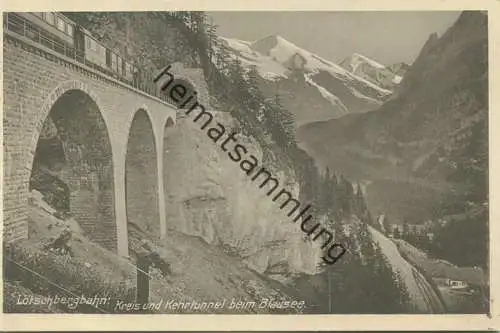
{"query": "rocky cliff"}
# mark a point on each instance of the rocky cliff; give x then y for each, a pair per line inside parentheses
(208, 195)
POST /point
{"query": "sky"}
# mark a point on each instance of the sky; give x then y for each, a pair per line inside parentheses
(388, 37)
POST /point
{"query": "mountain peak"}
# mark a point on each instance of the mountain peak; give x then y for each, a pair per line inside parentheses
(266, 44)
(272, 37)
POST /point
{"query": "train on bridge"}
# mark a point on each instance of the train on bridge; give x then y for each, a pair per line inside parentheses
(65, 36)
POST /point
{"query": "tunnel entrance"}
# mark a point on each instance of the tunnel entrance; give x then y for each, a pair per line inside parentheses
(73, 167)
(141, 176)
(190, 95)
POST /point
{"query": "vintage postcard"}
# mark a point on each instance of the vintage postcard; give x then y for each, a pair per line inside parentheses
(164, 163)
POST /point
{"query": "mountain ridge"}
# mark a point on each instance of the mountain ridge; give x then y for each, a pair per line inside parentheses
(312, 88)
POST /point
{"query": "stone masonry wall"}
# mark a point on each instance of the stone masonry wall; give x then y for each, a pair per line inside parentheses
(33, 79)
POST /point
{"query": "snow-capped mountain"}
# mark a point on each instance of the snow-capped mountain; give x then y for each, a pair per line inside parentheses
(313, 88)
(384, 76)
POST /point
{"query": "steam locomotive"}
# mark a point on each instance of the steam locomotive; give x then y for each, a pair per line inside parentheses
(65, 36)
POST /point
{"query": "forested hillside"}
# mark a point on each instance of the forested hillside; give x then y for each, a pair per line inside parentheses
(424, 153)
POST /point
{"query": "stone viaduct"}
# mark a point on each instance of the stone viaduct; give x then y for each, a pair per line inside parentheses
(108, 139)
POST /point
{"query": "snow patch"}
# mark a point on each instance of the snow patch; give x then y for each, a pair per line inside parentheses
(327, 95)
(267, 68)
(358, 59)
(397, 79)
(238, 44)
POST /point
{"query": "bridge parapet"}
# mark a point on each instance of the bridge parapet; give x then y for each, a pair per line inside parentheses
(19, 28)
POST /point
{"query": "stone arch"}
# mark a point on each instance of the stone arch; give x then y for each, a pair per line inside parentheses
(169, 123)
(47, 106)
(141, 176)
(71, 161)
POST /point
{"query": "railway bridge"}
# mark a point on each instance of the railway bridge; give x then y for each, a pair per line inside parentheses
(94, 138)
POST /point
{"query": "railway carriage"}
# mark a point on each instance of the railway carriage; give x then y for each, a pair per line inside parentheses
(94, 51)
(58, 32)
(54, 23)
(117, 64)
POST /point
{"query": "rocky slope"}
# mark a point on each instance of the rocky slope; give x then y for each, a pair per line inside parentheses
(197, 271)
(211, 197)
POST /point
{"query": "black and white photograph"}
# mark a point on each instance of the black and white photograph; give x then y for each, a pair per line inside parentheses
(246, 162)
